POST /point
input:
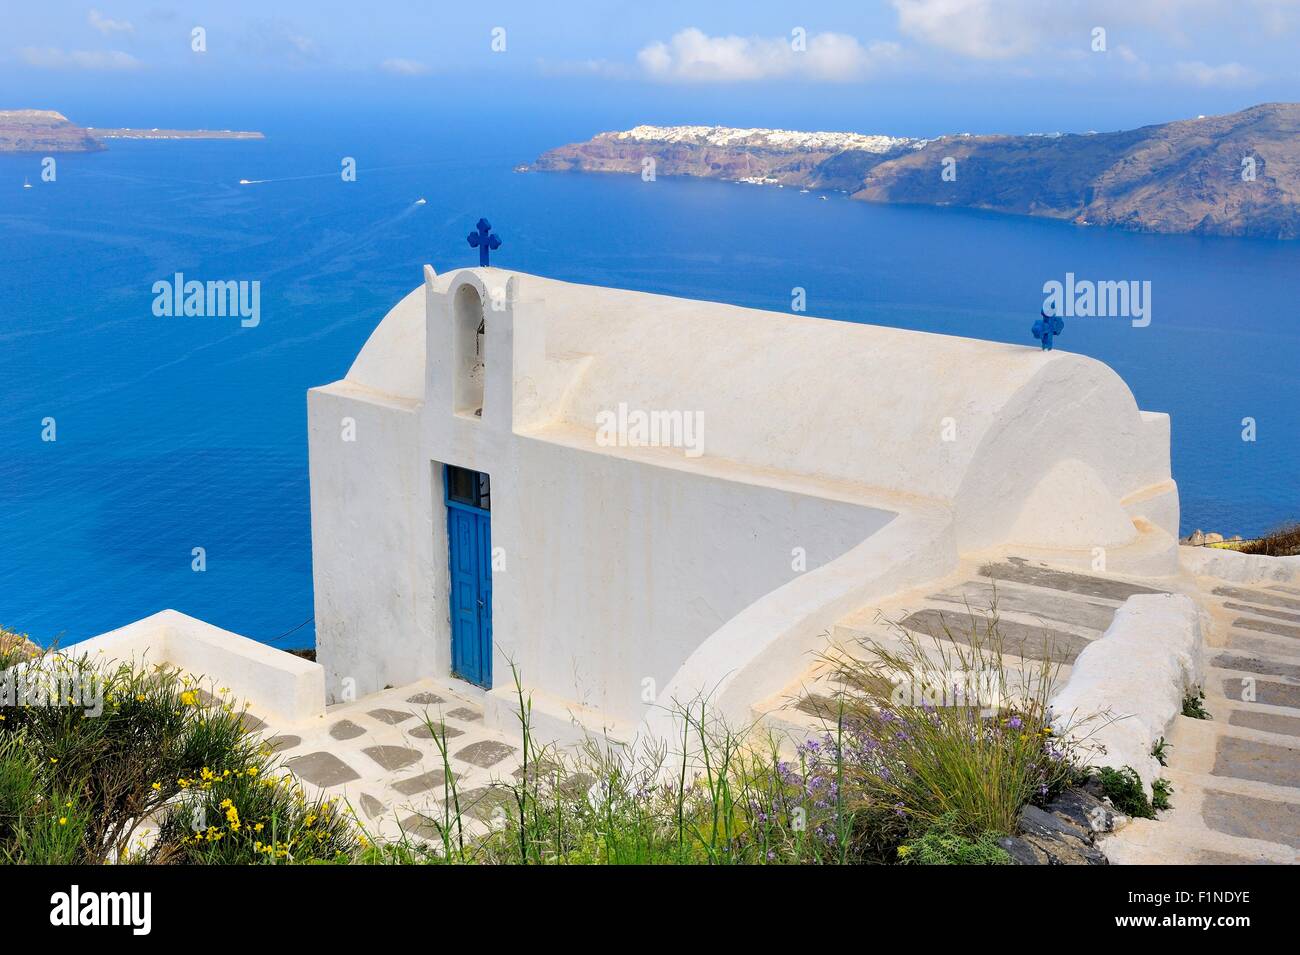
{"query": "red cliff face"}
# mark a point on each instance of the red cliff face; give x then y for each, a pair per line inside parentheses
(43, 131)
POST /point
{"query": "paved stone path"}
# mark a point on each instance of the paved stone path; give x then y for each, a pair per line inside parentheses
(1236, 777)
(379, 756)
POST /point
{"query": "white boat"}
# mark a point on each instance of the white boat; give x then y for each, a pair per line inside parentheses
(26, 184)
(421, 201)
(245, 182)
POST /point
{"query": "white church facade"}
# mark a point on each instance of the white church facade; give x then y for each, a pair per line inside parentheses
(634, 499)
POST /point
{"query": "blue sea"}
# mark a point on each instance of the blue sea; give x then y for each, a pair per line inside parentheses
(175, 433)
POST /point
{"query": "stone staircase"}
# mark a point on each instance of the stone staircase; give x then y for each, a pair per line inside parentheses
(1042, 611)
(1236, 777)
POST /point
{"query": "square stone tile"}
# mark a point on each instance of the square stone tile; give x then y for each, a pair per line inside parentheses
(393, 757)
(346, 729)
(446, 732)
(466, 714)
(279, 744)
(251, 723)
(435, 780)
(322, 769)
(485, 753)
(391, 717)
(371, 806)
(422, 825)
(425, 699)
(487, 803)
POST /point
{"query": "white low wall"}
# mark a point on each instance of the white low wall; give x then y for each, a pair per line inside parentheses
(274, 683)
(756, 653)
(1239, 568)
(1126, 688)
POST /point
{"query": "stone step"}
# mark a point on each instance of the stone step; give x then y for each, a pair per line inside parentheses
(1249, 817)
(1075, 610)
(1267, 722)
(1284, 615)
(1272, 627)
(1277, 765)
(1031, 641)
(1260, 597)
(1242, 687)
(1277, 648)
(1049, 578)
(1211, 823)
(1257, 663)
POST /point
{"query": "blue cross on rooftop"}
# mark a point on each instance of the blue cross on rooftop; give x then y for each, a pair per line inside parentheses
(484, 239)
(1046, 328)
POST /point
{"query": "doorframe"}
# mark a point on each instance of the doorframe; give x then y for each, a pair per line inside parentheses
(477, 511)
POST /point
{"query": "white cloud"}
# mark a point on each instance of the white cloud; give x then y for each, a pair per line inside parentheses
(1001, 29)
(52, 58)
(402, 67)
(981, 29)
(107, 26)
(1204, 74)
(693, 56)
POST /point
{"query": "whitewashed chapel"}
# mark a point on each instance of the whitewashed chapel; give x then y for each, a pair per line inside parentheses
(635, 498)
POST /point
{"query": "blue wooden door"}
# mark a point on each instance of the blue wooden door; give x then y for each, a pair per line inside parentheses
(469, 532)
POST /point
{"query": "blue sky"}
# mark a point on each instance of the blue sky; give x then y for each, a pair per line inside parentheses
(916, 67)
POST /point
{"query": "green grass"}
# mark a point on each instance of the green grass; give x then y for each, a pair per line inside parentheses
(943, 844)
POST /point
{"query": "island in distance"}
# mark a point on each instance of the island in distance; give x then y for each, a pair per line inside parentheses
(45, 131)
(1237, 174)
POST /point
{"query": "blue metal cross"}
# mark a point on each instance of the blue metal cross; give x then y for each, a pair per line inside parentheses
(1047, 328)
(484, 239)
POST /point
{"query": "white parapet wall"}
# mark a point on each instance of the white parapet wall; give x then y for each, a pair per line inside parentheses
(1239, 568)
(1126, 688)
(272, 682)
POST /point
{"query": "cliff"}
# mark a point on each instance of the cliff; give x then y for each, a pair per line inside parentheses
(1180, 177)
(43, 131)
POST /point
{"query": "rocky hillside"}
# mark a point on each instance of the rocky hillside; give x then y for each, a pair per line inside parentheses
(43, 131)
(1179, 177)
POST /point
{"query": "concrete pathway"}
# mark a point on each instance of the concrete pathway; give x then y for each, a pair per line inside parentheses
(1236, 777)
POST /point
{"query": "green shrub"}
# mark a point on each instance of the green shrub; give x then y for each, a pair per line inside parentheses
(1194, 704)
(942, 844)
(1125, 790)
(1161, 790)
(90, 756)
(1161, 751)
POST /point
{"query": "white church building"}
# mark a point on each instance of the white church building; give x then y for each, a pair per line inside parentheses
(634, 499)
